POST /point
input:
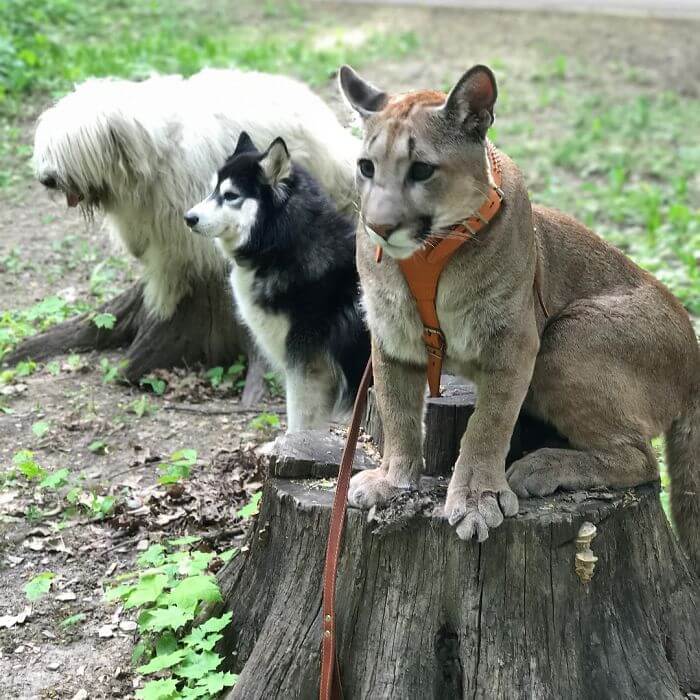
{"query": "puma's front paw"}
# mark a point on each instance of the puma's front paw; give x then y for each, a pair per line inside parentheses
(374, 486)
(474, 511)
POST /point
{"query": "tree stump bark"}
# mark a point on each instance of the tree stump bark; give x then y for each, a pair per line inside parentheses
(203, 330)
(422, 614)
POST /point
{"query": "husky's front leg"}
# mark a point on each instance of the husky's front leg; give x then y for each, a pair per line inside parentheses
(399, 389)
(311, 391)
(478, 496)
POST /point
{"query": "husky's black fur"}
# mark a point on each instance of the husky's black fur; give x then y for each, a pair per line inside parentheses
(303, 254)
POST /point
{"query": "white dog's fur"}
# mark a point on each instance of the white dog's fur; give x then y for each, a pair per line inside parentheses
(143, 151)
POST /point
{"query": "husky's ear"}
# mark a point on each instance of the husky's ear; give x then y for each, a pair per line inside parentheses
(275, 163)
(245, 144)
(472, 99)
(362, 96)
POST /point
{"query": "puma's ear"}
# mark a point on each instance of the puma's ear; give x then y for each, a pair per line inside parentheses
(245, 145)
(363, 97)
(275, 163)
(472, 99)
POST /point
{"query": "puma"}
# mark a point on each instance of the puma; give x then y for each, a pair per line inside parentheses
(615, 363)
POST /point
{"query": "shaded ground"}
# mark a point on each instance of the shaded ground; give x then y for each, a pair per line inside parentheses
(600, 113)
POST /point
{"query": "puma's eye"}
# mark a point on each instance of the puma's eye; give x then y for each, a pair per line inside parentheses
(230, 196)
(420, 171)
(366, 167)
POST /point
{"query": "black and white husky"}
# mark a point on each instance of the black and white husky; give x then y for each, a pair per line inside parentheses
(293, 276)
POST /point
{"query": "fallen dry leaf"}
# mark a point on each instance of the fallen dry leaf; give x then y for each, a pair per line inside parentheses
(12, 620)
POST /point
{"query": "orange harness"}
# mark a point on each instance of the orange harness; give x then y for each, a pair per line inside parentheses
(423, 269)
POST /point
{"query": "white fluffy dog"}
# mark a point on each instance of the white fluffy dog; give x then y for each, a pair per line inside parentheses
(144, 152)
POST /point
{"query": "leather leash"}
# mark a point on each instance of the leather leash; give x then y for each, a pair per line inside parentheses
(330, 688)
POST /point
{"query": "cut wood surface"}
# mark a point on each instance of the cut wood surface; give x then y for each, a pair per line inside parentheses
(311, 453)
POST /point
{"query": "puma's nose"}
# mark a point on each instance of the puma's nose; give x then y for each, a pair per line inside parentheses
(383, 230)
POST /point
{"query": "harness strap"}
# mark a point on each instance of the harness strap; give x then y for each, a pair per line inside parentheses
(423, 269)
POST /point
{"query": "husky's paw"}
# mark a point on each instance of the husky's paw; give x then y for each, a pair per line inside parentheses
(373, 487)
(474, 512)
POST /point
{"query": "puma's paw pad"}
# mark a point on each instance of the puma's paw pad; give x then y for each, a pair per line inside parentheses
(371, 487)
(473, 515)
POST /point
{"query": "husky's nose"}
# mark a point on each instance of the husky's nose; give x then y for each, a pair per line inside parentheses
(191, 219)
(383, 230)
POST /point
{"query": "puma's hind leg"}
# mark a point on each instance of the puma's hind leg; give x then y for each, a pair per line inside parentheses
(608, 378)
(544, 471)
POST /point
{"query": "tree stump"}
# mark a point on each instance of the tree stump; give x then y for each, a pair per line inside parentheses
(446, 420)
(422, 614)
(203, 330)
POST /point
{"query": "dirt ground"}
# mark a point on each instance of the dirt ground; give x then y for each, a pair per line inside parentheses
(40, 658)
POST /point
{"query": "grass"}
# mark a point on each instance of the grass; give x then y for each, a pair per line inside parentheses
(47, 45)
(625, 167)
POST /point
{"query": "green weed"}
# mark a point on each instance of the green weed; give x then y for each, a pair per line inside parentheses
(169, 589)
(265, 423)
(178, 466)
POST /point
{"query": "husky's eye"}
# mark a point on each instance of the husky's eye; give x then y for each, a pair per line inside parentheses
(230, 196)
(420, 172)
(366, 167)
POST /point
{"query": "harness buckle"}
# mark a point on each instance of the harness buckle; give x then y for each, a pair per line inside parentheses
(434, 340)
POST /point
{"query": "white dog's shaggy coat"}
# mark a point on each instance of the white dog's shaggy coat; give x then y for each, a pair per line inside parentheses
(144, 151)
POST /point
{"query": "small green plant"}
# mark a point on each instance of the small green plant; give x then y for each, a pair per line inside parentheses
(178, 466)
(39, 586)
(112, 373)
(73, 620)
(100, 507)
(157, 386)
(25, 368)
(106, 321)
(94, 505)
(98, 447)
(142, 407)
(55, 480)
(169, 589)
(25, 463)
(232, 376)
(251, 508)
(265, 423)
(53, 368)
(274, 385)
(40, 428)
(18, 324)
(74, 362)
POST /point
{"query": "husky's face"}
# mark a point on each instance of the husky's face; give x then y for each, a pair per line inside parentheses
(423, 166)
(240, 189)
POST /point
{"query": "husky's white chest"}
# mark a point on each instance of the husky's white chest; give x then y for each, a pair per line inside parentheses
(269, 329)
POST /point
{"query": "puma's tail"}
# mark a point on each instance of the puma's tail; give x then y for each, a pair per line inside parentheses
(683, 457)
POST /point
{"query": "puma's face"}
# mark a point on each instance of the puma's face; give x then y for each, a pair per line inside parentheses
(423, 166)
